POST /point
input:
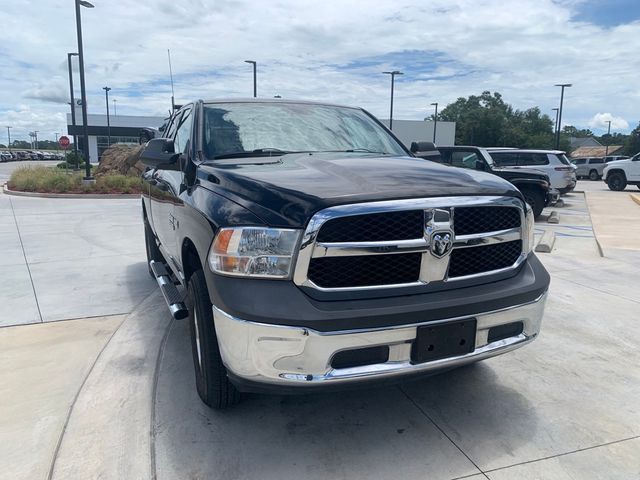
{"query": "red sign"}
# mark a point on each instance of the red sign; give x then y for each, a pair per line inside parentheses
(64, 142)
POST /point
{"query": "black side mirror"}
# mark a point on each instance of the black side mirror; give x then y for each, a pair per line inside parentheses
(422, 147)
(480, 165)
(160, 154)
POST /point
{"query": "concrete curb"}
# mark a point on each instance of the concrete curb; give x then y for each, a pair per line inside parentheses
(111, 196)
(593, 227)
(635, 197)
(554, 217)
(109, 431)
(545, 245)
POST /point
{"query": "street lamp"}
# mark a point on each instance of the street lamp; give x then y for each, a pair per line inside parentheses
(562, 86)
(555, 125)
(9, 136)
(435, 121)
(255, 85)
(606, 150)
(106, 99)
(56, 134)
(83, 93)
(393, 76)
(73, 106)
(35, 136)
(115, 110)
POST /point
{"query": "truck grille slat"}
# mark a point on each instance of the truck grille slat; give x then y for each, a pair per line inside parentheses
(471, 261)
(375, 227)
(468, 220)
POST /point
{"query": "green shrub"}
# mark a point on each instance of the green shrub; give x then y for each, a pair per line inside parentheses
(120, 183)
(55, 180)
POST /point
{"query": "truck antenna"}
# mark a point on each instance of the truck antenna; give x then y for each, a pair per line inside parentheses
(171, 77)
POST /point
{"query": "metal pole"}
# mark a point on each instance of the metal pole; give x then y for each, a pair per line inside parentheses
(606, 150)
(393, 76)
(83, 92)
(435, 122)
(9, 137)
(106, 97)
(255, 77)
(115, 110)
(171, 77)
(562, 85)
(555, 125)
(73, 108)
(35, 136)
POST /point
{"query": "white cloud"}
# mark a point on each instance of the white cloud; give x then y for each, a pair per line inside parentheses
(600, 121)
(303, 47)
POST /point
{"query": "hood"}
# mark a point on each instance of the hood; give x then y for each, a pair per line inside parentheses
(618, 162)
(288, 190)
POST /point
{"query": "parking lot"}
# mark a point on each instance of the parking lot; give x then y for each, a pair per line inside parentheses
(113, 396)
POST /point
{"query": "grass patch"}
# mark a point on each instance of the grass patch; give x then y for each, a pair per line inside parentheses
(54, 180)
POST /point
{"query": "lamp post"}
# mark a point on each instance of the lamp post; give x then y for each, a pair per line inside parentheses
(255, 84)
(562, 86)
(555, 125)
(56, 134)
(83, 93)
(393, 76)
(115, 110)
(435, 121)
(35, 137)
(73, 106)
(106, 100)
(9, 136)
(606, 150)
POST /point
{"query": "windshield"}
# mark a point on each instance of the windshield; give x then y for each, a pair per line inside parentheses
(238, 129)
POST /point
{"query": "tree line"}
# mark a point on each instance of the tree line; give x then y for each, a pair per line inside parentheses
(486, 120)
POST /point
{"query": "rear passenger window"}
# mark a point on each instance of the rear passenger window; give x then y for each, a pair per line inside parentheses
(533, 159)
(505, 159)
(596, 160)
(464, 159)
(580, 161)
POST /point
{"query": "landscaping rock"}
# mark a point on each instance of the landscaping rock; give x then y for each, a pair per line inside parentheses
(121, 159)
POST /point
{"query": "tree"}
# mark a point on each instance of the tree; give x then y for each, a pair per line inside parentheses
(632, 144)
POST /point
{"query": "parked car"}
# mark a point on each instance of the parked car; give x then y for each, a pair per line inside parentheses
(533, 184)
(316, 252)
(620, 173)
(5, 157)
(589, 167)
(613, 158)
(552, 162)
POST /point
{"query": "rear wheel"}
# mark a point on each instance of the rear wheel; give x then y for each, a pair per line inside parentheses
(212, 383)
(153, 252)
(535, 198)
(593, 175)
(616, 181)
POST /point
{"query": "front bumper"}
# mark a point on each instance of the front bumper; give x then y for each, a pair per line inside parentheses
(281, 358)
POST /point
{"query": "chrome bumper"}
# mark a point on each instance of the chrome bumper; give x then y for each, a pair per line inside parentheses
(295, 356)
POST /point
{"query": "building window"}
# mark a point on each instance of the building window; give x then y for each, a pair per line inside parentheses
(103, 142)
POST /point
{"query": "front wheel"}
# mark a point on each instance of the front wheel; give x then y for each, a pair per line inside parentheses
(616, 182)
(212, 383)
(535, 198)
(593, 175)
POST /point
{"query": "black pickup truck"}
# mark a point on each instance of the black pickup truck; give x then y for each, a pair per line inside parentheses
(533, 184)
(309, 249)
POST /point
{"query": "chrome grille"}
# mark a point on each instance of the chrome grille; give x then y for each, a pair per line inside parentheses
(410, 242)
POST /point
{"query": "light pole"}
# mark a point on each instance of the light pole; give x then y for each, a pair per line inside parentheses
(555, 125)
(106, 99)
(393, 76)
(56, 134)
(562, 86)
(435, 121)
(83, 93)
(606, 150)
(115, 110)
(255, 84)
(73, 107)
(9, 136)
(35, 136)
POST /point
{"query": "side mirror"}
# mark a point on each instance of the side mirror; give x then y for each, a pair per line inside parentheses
(422, 147)
(480, 165)
(160, 154)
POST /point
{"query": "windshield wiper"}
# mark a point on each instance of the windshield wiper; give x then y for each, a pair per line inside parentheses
(351, 150)
(258, 152)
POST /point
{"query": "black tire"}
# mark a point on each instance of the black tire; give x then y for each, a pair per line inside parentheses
(212, 383)
(535, 198)
(593, 175)
(616, 181)
(153, 252)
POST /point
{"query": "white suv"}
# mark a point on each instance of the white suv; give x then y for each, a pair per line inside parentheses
(554, 163)
(620, 173)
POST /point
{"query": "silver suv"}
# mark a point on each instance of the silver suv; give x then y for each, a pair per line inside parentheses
(590, 167)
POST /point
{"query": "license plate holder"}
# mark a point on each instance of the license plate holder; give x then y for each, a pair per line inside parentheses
(434, 342)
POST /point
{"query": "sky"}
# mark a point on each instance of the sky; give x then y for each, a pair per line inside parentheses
(328, 50)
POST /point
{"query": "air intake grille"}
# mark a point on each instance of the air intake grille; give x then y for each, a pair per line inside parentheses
(357, 271)
(469, 261)
(375, 227)
(469, 220)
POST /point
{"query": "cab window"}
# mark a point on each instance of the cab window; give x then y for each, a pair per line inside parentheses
(464, 159)
(184, 132)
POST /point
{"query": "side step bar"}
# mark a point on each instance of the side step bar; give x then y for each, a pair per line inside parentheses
(169, 291)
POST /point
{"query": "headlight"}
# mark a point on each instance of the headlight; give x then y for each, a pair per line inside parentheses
(253, 252)
(529, 230)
